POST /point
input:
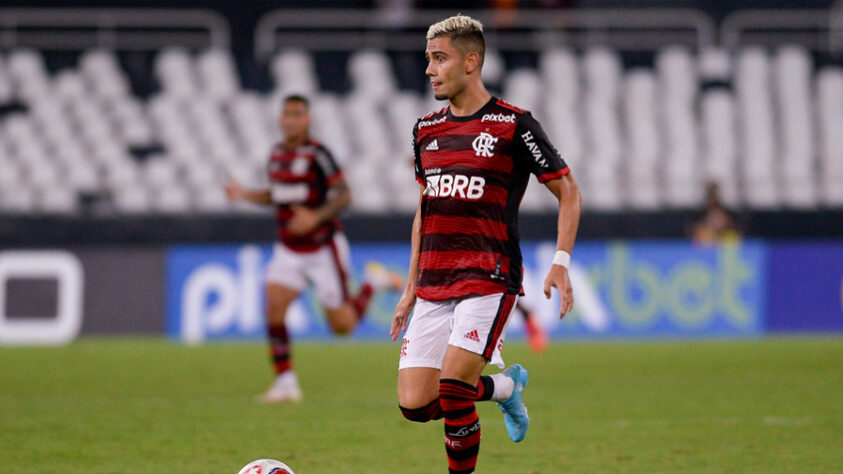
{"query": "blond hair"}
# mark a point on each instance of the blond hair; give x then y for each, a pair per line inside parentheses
(459, 24)
(465, 32)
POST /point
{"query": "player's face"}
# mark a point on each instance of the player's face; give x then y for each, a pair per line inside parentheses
(445, 68)
(295, 119)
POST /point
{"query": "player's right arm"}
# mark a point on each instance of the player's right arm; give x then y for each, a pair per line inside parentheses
(235, 192)
(408, 298)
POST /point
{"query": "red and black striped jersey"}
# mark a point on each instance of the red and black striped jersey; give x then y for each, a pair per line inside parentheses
(302, 177)
(475, 170)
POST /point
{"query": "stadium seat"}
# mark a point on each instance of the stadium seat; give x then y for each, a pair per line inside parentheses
(602, 71)
(294, 72)
(718, 142)
(677, 74)
(28, 74)
(18, 199)
(6, 89)
(102, 70)
(752, 80)
(494, 68)
(217, 74)
(524, 87)
(793, 89)
(829, 102)
(57, 200)
(371, 75)
(175, 73)
(560, 72)
(131, 198)
(171, 199)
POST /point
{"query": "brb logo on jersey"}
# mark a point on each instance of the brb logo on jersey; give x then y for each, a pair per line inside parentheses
(448, 185)
(484, 145)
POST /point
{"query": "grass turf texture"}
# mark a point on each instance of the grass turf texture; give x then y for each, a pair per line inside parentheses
(150, 406)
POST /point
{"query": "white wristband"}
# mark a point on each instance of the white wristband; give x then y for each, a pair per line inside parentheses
(562, 258)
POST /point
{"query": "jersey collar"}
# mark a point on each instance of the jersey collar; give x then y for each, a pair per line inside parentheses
(473, 116)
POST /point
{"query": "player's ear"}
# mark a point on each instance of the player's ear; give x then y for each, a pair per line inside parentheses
(472, 62)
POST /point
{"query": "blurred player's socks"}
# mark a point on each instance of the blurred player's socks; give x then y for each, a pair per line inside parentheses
(462, 426)
(431, 411)
(376, 277)
(279, 347)
(361, 301)
(497, 387)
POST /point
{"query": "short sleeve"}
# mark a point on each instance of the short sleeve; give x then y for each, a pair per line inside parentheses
(326, 162)
(533, 149)
(417, 155)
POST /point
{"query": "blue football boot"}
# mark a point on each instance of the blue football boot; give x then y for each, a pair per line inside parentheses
(514, 412)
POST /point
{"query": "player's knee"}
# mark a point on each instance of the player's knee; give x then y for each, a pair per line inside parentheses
(342, 327)
(430, 411)
(412, 398)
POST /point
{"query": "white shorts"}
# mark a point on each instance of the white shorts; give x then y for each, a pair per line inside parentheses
(326, 269)
(476, 324)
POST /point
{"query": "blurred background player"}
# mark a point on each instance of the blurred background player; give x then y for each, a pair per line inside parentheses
(309, 192)
(716, 223)
(473, 161)
(537, 338)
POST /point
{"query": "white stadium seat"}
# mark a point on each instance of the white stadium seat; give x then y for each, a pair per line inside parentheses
(371, 75)
(295, 73)
(218, 74)
(6, 87)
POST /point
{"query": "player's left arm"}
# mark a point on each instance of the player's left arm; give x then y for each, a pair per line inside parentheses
(305, 219)
(570, 203)
(542, 159)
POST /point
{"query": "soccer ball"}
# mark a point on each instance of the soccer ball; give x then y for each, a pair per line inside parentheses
(266, 466)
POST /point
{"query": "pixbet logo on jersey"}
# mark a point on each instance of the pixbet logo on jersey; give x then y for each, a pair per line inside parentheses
(430, 123)
(498, 118)
(447, 185)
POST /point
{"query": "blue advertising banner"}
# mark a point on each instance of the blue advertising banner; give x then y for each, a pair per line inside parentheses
(805, 284)
(217, 292)
(654, 289)
(621, 289)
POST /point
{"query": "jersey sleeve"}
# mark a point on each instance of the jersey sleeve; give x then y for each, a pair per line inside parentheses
(533, 149)
(417, 155)
(326, 162)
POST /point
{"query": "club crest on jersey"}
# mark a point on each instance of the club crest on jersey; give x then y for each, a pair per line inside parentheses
(299, 166)
(484, 145)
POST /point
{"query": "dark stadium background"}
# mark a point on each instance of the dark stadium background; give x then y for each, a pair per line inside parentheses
(97, 230)
(89, 227)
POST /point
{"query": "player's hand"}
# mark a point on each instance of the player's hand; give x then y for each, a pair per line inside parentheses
(233, 190)
(558, 278)
(304, 220)
(402, 313)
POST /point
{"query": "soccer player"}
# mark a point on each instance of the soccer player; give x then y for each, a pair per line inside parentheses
(536, 336)
(473, 161)
(309, 192)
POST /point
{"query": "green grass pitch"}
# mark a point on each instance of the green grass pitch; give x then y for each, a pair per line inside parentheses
(152, 406)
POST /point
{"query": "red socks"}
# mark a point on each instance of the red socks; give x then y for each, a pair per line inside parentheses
(462, 426)
(279, 348)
